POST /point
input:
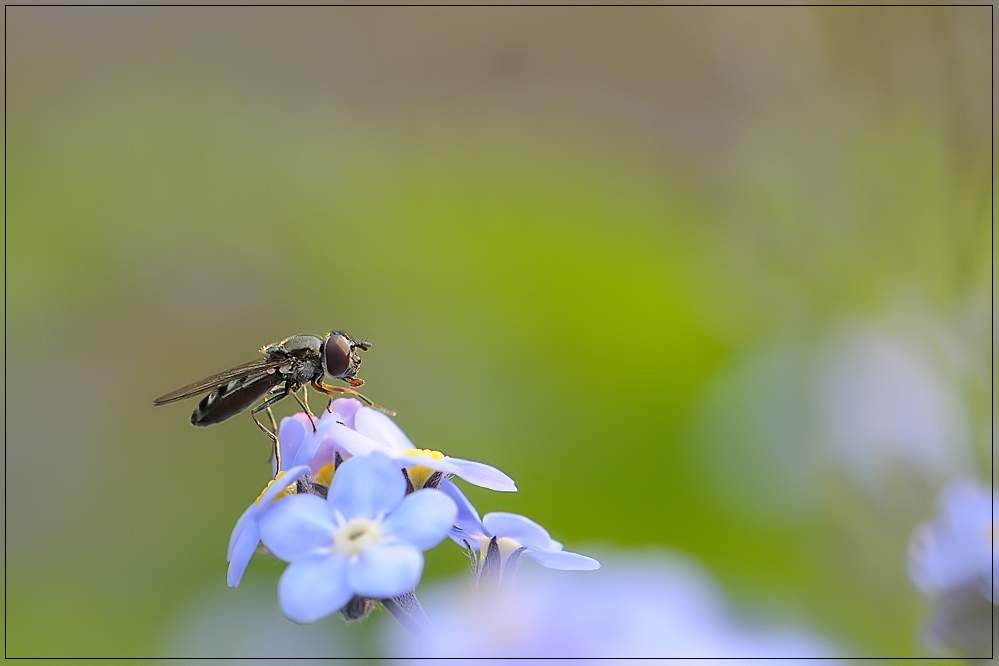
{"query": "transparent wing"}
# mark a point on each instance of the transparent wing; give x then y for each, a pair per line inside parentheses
(208, 383)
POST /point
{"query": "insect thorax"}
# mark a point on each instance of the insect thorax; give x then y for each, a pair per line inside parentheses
(296, 345)
(304, 370)
(302, 343)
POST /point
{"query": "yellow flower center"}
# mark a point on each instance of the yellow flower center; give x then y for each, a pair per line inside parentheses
(290, 490)
(356, 535)
(324, 476)
(425, 453)
(419, 474)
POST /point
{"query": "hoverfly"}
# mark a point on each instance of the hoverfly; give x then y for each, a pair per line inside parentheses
(286, 367)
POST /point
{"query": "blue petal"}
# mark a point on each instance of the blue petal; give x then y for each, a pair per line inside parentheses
(438, 465)
(939, 561)
(237, 530)
(288, 478)
(468, 517)
(379, 427)
(256, 509)
(563, 560)
(354, 442)
(344, 410)
(483, 475)
(386, 570)
(323, 454)
(306, 450)
(290, 436)
(523, 530)
(314, 587)
(241, 553)
(367, 487)
(478, 473)
(327, 421)
(296, 526)
(423, 519)
(967, 508)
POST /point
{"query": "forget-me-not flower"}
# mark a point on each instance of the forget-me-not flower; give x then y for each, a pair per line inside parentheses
(500, 539)
(366, 538)
(360, 430)
(957, 550)
(245, 535)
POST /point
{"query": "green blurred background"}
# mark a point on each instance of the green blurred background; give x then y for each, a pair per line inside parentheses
(605, 250)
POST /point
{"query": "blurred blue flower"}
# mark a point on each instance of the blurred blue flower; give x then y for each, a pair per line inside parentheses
(634, 607)
(365, 539)
(501, 538)
(950, 559)
(889, 395)
(956, 550)
(245, 535)
(364, 430)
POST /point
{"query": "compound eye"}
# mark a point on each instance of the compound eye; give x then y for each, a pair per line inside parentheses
(336, 355)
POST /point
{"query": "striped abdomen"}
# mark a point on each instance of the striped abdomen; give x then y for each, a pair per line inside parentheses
(233, 397)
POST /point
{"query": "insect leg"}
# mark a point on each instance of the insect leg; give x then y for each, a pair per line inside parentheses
(305, 406)
(266, 404)
(305, 399)
(330, 390)
(276, 450)
(270, 412)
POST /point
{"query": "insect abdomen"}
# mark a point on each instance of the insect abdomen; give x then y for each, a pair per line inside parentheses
(233, 397)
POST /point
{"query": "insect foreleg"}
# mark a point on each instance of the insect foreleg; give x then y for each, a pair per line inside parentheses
(330, 390)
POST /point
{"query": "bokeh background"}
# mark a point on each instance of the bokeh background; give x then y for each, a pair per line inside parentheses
(712, 280)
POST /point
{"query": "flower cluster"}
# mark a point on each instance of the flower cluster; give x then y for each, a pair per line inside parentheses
(354, 504)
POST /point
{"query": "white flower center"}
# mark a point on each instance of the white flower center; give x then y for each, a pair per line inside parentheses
(356, 535)
(506, 547)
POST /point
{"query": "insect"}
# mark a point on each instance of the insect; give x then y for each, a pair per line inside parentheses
(286, 367)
